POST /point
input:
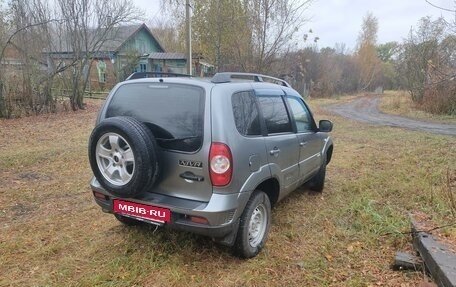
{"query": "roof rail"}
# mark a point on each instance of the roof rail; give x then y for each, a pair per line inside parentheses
(140, 75)
(226, 77)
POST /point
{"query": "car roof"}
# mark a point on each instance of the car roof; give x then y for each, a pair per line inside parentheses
(218, 78)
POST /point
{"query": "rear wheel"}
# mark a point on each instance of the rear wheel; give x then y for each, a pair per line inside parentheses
(254, 226)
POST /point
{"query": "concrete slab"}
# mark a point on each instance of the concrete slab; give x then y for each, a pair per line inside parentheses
(438, 257)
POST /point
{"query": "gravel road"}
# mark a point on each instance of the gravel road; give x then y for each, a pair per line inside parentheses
(365, 109)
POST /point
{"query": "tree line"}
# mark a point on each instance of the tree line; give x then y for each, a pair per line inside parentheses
(266, 36)
(263, 36)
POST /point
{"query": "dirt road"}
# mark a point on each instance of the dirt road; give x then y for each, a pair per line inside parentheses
(365, 109)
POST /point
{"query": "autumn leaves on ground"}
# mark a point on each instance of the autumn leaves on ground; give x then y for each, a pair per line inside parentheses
(53, 234)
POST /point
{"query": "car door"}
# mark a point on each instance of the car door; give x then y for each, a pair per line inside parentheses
(310, 144)
(281, 143)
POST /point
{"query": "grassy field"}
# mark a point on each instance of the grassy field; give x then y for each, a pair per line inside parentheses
(53, 234)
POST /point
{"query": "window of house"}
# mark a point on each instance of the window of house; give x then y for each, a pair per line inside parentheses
(158, 68)
(143, 67)
(101, 68)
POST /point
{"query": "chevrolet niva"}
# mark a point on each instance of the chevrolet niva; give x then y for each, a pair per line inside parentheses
(206, 156)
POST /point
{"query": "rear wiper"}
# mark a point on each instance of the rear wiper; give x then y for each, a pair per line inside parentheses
(177, 139)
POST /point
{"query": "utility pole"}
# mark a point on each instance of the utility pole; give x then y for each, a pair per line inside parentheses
(189, 36)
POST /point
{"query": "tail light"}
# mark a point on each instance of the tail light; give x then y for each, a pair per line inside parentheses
(221, 164)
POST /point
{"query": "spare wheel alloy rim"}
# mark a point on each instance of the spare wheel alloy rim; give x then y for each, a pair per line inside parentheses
(257, 225)
(115, 159)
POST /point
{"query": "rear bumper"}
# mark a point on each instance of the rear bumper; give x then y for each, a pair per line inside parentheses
(221, 212)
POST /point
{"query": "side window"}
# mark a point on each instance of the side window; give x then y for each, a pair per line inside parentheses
(301, 114)
(274, 113)
(246, 114)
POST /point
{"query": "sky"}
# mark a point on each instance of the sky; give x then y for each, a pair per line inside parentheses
(339, 21)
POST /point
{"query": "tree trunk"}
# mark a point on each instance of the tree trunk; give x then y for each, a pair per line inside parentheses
(47, 94)
(2, 102)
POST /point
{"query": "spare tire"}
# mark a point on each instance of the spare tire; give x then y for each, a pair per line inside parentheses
(123, 155)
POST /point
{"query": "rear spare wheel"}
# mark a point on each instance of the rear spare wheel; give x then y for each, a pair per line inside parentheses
(123, 156)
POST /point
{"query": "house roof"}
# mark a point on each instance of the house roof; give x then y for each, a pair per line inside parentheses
(128, 32)
(116, 38)
(167, 56)
(12, 52)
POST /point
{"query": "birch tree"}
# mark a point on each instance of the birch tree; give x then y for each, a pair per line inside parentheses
(369, 64)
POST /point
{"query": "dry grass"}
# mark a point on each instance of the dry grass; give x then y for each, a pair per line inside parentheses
(53, 234)
(400, 103)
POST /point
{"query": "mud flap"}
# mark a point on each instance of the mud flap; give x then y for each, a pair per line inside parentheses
(230, 238)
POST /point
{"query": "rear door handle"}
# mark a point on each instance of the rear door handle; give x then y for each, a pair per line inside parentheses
(302, 143)
(188, 175)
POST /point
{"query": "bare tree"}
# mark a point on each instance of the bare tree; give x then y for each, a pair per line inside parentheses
(79, 28)
(418, 52)
(88, 24)
(274, 24)
(3, 40)
(427, 62)
(24, 85)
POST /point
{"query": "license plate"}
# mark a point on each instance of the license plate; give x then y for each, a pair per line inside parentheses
(143, 211)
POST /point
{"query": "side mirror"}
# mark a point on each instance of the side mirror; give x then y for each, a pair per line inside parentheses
(325, 126)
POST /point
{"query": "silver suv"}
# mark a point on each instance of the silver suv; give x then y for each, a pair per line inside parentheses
(206, 156)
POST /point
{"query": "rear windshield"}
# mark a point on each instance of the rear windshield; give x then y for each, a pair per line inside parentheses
(173, 112)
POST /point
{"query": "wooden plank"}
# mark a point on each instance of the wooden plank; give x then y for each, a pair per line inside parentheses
(438, 257)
